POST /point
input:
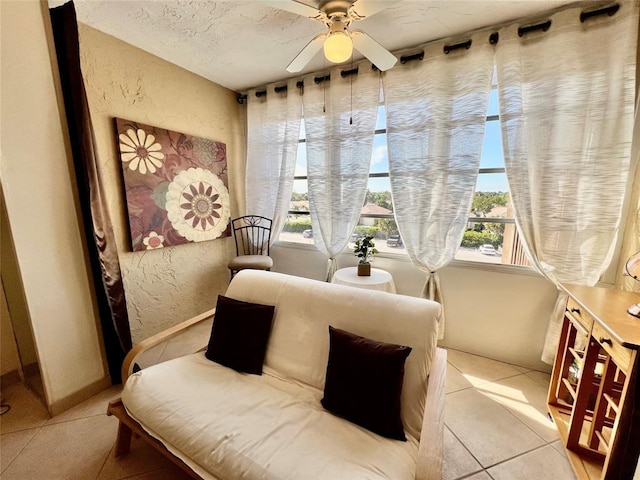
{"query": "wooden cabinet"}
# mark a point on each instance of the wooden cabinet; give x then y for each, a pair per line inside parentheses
(594, 395)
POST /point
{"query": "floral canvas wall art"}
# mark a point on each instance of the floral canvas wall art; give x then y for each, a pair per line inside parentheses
(176, 186)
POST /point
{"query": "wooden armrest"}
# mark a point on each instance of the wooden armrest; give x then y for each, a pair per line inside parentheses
(147, 343)
(431, 448)
(129, 426)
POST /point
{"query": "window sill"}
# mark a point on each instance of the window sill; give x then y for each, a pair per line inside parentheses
(490, 267)
(297, 245)
(496, 267)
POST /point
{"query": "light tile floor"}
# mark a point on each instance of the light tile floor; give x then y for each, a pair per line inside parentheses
(496, 428)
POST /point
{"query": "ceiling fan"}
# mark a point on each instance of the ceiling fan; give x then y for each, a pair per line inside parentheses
(339, 41)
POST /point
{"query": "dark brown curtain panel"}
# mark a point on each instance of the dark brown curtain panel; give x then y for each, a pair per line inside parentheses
(100, 240)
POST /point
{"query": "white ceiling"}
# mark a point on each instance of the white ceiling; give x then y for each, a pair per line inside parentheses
(245, 43)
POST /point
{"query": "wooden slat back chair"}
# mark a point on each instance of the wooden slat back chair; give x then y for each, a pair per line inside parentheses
(253, 235)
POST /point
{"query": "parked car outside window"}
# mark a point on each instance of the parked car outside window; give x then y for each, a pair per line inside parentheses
(394, 241)
(308, 233)
(488, 249)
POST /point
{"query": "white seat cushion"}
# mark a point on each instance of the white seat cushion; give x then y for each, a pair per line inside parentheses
(258, 262)
(230, 425)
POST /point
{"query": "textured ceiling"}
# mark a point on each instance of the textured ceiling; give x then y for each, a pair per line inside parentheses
(243, 43)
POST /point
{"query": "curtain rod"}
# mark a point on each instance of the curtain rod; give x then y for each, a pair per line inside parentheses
(584, 16)
(299, 84)
(493, 40)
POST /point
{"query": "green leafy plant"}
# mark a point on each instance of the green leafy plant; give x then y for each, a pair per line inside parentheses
(364, 249)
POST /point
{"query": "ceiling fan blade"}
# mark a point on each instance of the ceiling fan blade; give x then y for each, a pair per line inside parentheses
(376, 53)
(361, 9)
(297, 8)
(307, 54)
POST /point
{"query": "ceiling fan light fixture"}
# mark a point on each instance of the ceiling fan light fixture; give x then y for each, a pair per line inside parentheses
(340, 41)
(338, 47)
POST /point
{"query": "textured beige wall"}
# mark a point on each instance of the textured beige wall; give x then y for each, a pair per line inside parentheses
(38, 191)
(14, 316)
(168, 285)
(9, 360)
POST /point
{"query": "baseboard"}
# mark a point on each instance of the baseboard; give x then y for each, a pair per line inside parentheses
(9, 378)
(80, 396)
(31, 369)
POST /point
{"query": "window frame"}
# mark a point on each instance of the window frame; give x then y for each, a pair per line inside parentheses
(456, 262)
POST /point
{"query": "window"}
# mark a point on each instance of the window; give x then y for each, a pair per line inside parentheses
(490, 236)
(377, 212)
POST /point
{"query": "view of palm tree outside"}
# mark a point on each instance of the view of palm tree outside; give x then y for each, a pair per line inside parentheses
(490, 236)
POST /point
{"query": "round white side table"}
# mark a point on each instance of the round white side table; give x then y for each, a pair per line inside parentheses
(379, 279)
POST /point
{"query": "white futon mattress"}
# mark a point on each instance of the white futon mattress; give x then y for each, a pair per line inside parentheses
(229, 425)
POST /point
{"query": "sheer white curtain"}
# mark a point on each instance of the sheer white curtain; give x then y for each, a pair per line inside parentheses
(273, 128)
(566, 110)
(436, 114)
(339, 118)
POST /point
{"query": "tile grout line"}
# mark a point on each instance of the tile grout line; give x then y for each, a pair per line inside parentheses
(460, 372)
(488, 381)
(489, 474)
(23, 429)
(520, 455)
(468, 451)
(459, 390)
(134, 475)
(484, 382)
(106, 459)
(516, 417)
(23, 447)
(529, 369)
(91, 415)
(497, 380)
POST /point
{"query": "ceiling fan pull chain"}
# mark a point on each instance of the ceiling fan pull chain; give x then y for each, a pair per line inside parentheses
(351, 95)
(324, 97)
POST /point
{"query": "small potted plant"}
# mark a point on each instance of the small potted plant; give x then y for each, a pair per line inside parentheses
(364, 250)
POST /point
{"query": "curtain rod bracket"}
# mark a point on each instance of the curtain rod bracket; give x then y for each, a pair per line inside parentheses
(610, 10)
(449, 48)
(322, 79)
(346, 73)
(531, 28)
(409, 58)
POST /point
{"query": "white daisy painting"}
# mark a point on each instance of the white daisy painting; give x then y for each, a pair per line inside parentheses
(175, 184)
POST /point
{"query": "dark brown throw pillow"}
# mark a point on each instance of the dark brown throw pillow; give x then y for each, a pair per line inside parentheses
(364, 382)
(239, 334)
